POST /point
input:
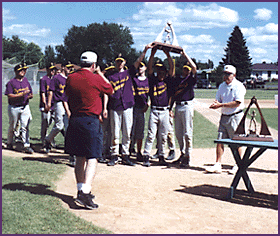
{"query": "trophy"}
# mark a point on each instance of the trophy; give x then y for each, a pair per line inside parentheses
(165, 41)
(264, 134)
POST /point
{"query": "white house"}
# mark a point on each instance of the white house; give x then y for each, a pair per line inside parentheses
(265, 71)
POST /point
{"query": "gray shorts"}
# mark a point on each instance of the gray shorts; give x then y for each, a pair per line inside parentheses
(228, 125)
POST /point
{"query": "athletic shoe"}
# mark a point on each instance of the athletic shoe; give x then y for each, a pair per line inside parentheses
(217, 168)
(10, 146)
(101, 160)
(139, 156)
(146, 161)
(72, 161)
(185, 162)
(127, 161)
(47, 146)
(171, 155)
(161, 161)
(28, 150)
(177, 162)
(132, 152)
(90, 194)
(233, 170)
(113, 161)
(155, 156)
(86, 200)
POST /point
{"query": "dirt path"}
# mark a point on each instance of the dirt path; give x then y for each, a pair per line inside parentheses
(161, 200)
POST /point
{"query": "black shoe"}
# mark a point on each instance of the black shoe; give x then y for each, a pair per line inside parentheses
(47, 146)
(132, 152)
(72, 161)
(86, 200)
(185, 162)
(10, 146)
(127, 161)
(139, 156)
(28, 150)
(161, 161)
(171, 155)
(101, 160)
(146, 161)
(155, 156)
(114, 160)
(90, 194)
(178, 162)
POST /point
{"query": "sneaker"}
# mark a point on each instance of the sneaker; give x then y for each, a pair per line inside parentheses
(155, 156)
(132, 152)
(146, 161)
(185, 162)
(217, 168)
(161, 161)
(127, 161)
(178, 162)
(113, 161)
(139, 156)
(86, 200)
(72, 160)
(10, 146)
(28, 150)
(101, 160)
(171, 155)
(233, 170)
(47, 146)
(90, 194)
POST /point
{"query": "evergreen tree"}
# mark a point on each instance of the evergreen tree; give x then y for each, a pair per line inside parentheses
(237, 54)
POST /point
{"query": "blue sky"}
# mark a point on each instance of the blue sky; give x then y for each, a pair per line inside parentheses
(201, 28)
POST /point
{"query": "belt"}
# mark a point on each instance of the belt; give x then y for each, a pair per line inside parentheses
(160, 108)
(182, 103)
(233, 113)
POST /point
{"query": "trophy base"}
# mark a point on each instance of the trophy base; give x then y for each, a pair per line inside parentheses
(168, 47)
(253, 138)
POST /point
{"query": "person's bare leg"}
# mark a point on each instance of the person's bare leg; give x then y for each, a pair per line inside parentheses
(219, 152)
(90, 172)
(80, 169)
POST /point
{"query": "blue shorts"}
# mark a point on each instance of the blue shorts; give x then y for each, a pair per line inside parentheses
(84, 137)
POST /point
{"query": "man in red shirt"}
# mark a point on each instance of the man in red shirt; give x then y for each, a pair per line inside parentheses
(84, 134)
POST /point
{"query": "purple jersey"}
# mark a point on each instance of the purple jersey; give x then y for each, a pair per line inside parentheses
(57, 85)
(123, 97)
(44, 88)
(184, 88)
(15, 86)
(141, 92)
(160, 91)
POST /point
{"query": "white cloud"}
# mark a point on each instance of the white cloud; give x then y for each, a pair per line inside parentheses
(259, 39)
(26, 30)
(201, 39)
(7, 16)
(262, 14)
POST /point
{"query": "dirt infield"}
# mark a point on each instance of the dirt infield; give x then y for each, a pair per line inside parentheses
(172, 200)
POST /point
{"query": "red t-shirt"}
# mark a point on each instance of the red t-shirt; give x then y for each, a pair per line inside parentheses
(83, 89)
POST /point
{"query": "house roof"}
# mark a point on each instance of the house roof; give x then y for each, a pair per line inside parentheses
(264, 67)
(76, 67)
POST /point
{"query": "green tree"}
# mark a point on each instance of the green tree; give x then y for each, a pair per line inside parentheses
(50, 56)
(20, 50)
(237, 54)
(107, 40)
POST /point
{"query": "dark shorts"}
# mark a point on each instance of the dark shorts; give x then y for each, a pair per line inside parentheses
(84, 137)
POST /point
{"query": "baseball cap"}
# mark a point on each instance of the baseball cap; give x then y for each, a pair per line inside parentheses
(120, 57)
(88, 57)
(20, 67)
(159, 65)
(188, 67)
(230, 69)
(51, 66)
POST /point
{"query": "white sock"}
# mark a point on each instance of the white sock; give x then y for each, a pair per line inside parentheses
(86, 188)
(79, 186)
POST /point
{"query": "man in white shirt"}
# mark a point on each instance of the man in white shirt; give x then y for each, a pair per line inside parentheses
(230, 98)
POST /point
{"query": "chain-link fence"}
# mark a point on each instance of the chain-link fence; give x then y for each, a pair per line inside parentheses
(31, 74)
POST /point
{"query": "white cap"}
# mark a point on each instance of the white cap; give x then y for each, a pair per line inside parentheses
(230, 69)
(88, 57)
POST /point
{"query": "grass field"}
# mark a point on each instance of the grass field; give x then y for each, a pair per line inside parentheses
(30, 204)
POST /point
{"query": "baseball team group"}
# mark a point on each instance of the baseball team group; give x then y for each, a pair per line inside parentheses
(101, 114)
